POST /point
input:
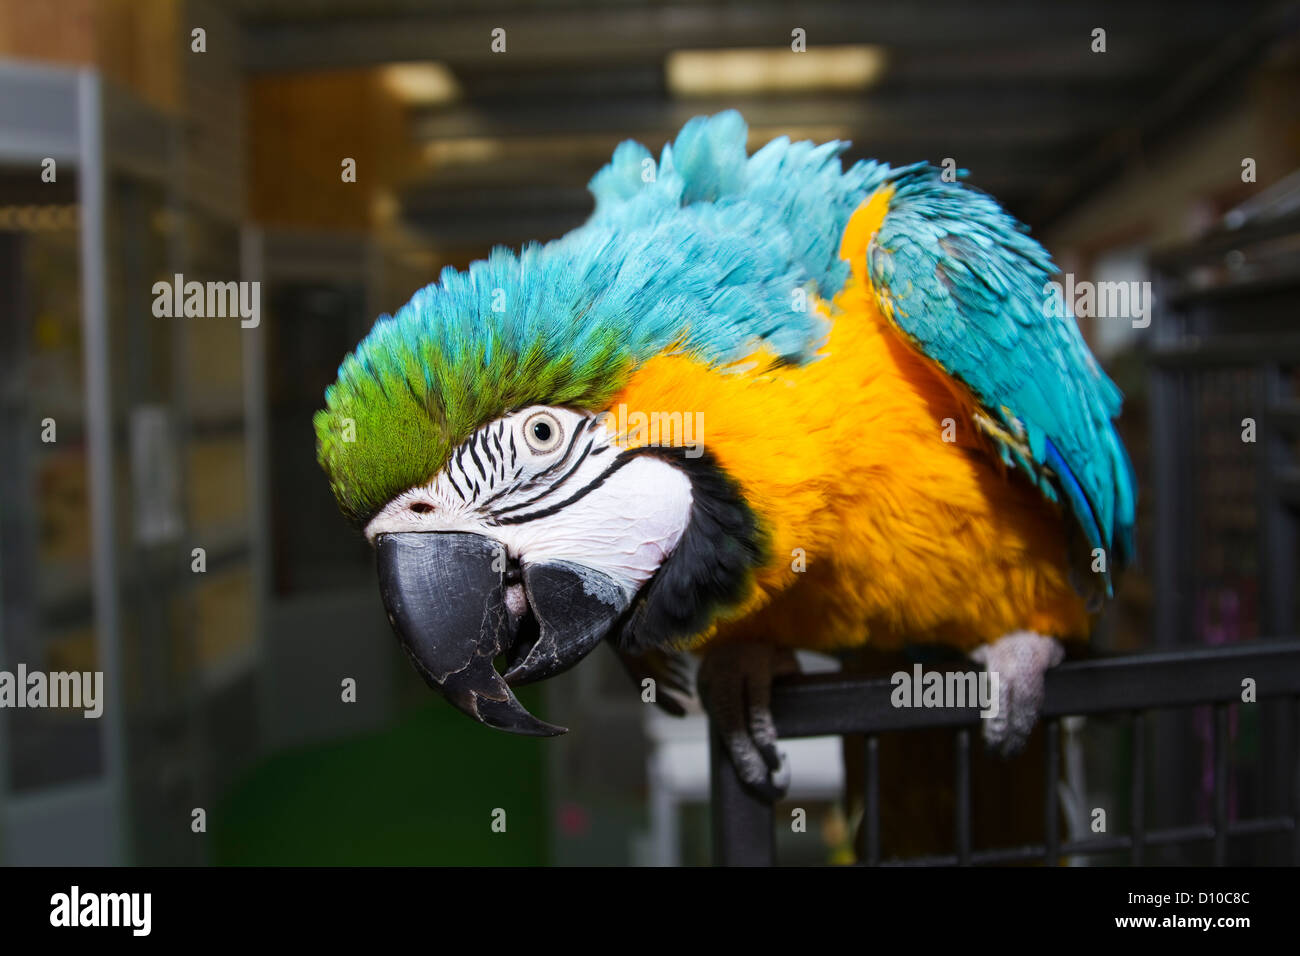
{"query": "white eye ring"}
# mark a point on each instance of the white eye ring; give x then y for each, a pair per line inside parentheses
(551, 429)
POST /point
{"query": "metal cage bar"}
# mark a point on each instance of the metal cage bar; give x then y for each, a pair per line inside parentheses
(962, 802)
(836, 704)
(1137, 785)
(1220, 784)
(1051, 796)
(871, 809)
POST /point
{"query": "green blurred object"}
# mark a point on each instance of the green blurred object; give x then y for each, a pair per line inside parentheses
(422, 792)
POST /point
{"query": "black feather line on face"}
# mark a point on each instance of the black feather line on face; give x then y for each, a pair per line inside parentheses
(500, 517)
(454, 485)
(552, 488)
(501, 455)
(709, 571)
(474, 455)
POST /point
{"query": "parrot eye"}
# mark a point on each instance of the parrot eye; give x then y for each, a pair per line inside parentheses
(543, 432)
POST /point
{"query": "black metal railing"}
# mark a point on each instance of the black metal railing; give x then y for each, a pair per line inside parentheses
(836, 704)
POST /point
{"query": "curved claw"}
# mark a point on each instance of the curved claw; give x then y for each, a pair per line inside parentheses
(735, 683)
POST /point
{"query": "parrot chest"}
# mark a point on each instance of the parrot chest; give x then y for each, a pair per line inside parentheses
(889, 518)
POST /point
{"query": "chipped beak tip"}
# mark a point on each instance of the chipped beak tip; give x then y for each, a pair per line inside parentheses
(448, 601)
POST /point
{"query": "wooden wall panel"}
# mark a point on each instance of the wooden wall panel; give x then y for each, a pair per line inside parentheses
(136, 43)
(60, 31)
(300, 128)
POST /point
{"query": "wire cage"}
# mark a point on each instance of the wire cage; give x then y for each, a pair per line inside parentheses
(1133, 686)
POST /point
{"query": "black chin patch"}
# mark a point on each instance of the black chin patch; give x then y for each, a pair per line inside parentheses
(710, 569)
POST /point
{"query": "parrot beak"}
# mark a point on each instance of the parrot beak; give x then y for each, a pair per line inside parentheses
(574, 608)
(446, 601)
(445, 593)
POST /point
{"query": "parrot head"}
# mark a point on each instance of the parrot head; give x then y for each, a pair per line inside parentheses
(514, 526)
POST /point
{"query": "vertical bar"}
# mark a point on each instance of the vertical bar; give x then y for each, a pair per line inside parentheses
(962, 801)
(1295, 782)
(871, 798)
(13, 483)
(1170, 763)
(742, 822)
(252, 261)
(1278, 526)
(96, 356)
(1277, 520)
(1138, 795)
(1051, 809)
(1167, 496)
(1220, 784)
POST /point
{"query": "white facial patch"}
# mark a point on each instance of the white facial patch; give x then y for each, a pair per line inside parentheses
(549, 485)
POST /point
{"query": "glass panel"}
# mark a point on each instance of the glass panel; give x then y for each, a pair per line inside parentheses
(46, 609)
(314, 324)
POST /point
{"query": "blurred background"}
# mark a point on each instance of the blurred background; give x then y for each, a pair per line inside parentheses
(144, 138)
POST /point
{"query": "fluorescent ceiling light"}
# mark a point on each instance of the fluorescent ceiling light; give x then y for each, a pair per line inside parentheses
(424, 83)
(821, 69)
(463, 152)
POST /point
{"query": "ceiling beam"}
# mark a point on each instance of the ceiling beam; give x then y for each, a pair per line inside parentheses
(1011, 117)
(635, 32)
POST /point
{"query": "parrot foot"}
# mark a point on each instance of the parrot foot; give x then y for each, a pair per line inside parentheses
(1021, 660)
(735, 683)
(674, 690)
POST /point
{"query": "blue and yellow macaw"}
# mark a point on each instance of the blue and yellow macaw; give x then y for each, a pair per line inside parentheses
(755, 403)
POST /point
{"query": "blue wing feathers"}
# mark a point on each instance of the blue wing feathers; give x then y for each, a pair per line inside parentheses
(970, 288)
